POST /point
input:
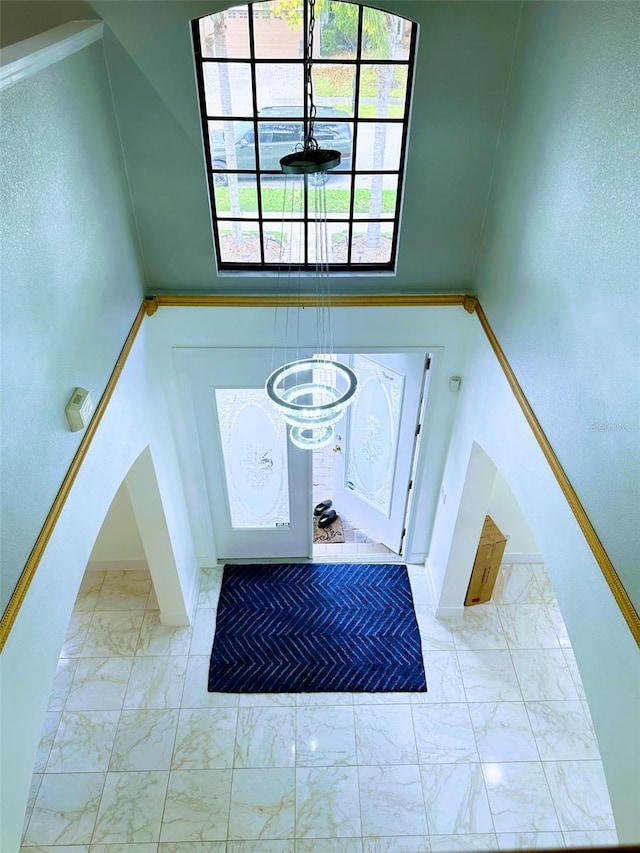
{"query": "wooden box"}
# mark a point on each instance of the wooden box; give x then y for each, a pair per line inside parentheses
(487, 563)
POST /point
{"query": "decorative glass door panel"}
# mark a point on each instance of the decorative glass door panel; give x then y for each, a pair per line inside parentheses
(251, 486)
(254, 450)
(375, 444)
(373, 433)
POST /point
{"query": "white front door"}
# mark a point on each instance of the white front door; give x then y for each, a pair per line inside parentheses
(375, 449)
(258, 484)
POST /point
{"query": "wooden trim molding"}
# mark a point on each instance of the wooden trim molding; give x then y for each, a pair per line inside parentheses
(602, 558)
(28, 573)
(337, 300)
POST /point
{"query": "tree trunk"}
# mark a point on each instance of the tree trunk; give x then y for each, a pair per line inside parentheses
(220, 50)
(385, 80)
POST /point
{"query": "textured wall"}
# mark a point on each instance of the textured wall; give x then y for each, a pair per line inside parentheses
(71, 281)
(561, 266)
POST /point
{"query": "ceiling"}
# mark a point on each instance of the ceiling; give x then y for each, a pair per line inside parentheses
(463, 60)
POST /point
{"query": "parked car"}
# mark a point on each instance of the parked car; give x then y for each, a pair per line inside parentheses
(279, 136)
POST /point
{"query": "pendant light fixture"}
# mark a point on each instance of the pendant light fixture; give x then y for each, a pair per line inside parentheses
(312, 394)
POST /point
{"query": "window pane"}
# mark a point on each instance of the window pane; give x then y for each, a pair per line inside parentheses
(277, 31)
(286, 242)
(276, 139)
(339, 244)
(331, 250)
(384, 35)
(236, 197)
(383, 91)
(227, 87)
(239, 242)
(275, 248)
(334, 87)
(336, 31)
(376, 196)
(402, 38)
(337, 198)
(226, 34)
(379, 145)
(280, 86)
(282, 196)
(371, 243)
(254, 449)
(232, 145)
(337, 135)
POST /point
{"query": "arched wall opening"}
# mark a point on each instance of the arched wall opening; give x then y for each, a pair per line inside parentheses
(485, 492)
(134, 535)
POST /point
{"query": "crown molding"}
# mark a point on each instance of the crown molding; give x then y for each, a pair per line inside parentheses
(25, 58)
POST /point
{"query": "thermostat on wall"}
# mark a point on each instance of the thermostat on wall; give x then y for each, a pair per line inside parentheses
(79, 409)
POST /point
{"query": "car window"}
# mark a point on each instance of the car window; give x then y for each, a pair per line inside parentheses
(329, 132)
(286, 132)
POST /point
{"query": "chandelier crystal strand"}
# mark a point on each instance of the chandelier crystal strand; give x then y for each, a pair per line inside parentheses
(311, 406)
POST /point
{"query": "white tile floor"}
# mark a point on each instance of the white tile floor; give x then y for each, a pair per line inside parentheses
(137, 757)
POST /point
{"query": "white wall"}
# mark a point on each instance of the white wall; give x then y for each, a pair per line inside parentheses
(439, 330)
(505, 511)
(119, 539)
(558, 273)
(135, 419)
(607, 654)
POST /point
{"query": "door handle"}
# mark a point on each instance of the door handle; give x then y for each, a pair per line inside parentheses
(336, 448)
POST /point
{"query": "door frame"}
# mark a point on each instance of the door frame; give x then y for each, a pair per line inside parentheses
(422, 507)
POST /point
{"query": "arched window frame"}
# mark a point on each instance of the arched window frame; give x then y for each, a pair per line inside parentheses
(350, 227)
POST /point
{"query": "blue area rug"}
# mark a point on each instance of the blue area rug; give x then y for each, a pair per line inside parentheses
(311, 627)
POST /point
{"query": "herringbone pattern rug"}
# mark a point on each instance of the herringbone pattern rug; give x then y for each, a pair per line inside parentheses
(311, 627)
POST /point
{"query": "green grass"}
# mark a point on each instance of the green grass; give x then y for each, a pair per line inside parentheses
(331, 83)
(337, 200)
(371, 111)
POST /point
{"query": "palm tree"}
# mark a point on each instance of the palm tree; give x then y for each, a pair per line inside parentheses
(378, 33)
(219, 49)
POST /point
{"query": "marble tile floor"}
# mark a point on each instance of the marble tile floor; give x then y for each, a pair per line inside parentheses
(137, 757)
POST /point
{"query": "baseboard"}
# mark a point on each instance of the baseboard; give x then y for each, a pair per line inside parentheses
(115, 565)
(448, 612)
(174, 618)
(195, 588)
(432, 592)
(522, 558)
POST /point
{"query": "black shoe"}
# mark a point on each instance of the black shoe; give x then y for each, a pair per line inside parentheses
(323, 506)
(327, 518)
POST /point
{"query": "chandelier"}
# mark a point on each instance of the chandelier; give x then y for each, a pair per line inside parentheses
(312, 394)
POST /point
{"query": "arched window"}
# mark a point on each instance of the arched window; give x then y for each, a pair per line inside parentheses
(250, 71)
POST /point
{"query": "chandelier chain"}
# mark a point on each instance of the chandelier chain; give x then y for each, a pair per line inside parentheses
(310, 141)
